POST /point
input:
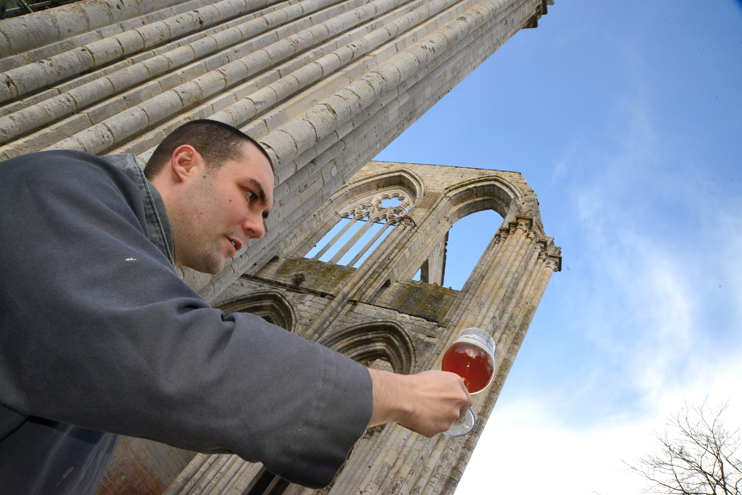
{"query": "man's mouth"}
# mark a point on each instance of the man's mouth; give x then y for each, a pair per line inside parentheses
(237, 245)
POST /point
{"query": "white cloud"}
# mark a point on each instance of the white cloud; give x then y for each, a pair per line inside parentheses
(668, 310)
(527, 449)
(523, 451)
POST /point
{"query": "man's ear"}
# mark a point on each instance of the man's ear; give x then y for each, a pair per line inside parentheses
(186, 162)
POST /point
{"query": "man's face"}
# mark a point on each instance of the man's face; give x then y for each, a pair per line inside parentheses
(221, 209)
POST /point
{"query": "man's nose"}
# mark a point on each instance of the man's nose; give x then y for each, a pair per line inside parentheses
(254, 226)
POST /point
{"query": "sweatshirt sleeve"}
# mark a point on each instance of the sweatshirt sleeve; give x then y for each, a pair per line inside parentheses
(97, 330)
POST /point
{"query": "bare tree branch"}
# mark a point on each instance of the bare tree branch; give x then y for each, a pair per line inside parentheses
(697, 456)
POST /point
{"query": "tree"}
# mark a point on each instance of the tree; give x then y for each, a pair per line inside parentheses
(697, 456)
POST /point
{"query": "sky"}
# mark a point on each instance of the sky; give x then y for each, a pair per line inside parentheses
(626, 120)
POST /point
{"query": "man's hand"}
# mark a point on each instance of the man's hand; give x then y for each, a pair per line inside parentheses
(428, 402)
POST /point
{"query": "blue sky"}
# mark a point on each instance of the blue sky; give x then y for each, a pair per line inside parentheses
(626, 119)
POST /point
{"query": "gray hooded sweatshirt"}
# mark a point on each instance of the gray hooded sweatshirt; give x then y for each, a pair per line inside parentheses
(99, 334)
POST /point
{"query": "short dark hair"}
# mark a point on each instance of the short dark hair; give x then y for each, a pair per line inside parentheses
(215, 141)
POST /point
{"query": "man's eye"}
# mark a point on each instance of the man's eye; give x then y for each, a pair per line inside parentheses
(251, 196)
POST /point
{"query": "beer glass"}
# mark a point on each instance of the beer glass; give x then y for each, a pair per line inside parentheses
(472, 357)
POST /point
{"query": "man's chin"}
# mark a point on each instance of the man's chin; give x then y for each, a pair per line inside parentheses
(209, 266)
(215, 271)
(216, 268)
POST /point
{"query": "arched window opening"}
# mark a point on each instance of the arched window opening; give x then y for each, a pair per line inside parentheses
(270, 306)
(467, 241)
(380, 345)
(361, 229)
(350, 242)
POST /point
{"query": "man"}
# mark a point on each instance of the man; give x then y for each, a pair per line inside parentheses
(98, 331)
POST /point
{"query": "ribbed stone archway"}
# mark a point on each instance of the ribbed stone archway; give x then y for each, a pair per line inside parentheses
(272, 306)
(380, 340)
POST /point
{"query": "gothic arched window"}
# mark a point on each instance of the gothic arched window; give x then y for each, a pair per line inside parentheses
(371, 342)
(466, 241)
(271, 306)
(362, 226)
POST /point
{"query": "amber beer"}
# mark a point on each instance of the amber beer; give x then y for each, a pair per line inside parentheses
(471, 362)
(472, 357)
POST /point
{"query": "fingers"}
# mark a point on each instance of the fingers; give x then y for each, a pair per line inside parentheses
(441, 396)
(466, 399)
(469, 400)
(427, 403)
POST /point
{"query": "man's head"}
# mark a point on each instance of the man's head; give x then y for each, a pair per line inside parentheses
(215, 141)
(217, 184)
